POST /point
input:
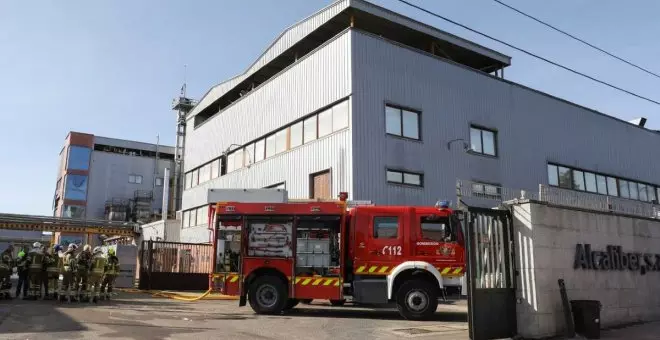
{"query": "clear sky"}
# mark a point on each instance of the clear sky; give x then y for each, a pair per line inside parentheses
(111, 68)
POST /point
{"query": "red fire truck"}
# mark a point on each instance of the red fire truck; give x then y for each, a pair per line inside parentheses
(274, 255)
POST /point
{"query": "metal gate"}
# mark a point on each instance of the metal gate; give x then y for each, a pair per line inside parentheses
(491, 278)
(175, 266)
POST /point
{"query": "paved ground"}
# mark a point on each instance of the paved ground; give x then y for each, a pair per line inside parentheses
(138, 316)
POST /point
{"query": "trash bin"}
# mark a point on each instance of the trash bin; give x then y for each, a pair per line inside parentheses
(586, 316)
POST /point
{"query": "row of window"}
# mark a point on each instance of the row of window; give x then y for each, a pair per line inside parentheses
(570, 178)
(75, 186)
(431, 229)
(316, 126)
(196, 217)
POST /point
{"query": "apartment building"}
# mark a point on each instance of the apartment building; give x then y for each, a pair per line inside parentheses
(360, 99)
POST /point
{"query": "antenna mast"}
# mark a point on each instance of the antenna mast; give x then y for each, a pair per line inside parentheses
(182, 105)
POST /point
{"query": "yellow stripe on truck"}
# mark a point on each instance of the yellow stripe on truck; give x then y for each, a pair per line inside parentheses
(458, 270)
(361, 269)
(445, 271)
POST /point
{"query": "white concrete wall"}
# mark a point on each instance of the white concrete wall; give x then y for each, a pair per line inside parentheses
(546, 239)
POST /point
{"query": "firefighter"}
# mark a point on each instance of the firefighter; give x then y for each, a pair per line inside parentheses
(96, 273)
(67, 288)
(109, 275)
(52, 274)
(36, 260)
(6, 265)
(22, 269)
(83, 263)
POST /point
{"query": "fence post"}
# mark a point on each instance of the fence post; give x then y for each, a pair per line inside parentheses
(150, 252)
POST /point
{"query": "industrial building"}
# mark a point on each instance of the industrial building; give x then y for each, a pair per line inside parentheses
(360, 99)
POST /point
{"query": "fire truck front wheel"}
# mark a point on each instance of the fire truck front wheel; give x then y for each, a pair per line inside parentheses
(267, 295)
(417, 300)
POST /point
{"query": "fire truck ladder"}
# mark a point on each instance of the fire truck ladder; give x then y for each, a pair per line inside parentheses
(67, 225)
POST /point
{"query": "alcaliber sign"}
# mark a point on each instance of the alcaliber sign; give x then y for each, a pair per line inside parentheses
(614, 258)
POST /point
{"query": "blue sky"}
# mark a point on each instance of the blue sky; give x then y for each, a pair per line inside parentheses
(111, 68)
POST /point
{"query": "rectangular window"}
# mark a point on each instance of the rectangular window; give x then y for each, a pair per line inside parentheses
(186, 219)
(325, 123)
(590, 181)
(578, 180)
(215, 168)
(193, 217)
(73, 211)
(624, 189)
(386, 227)
(135, 179)
(259, 150)
(159, 181)
(238, 159)
(78, 157)
(230, 162)
(487, 190)
(340, 116)
(611, 187)
(634, 192)
(296, 132)
(553, 178)
(75, 187)
(280, 141)
(201, 216)
(188, 180)
(602, 184)
(400, 122)
(248, 157)
(434, 228)
(271, 148)
(195, 178)
(651, 191)
(403, 177)
(204, 173)
(309, 129)
(483, 141)
(643, 195)
(565, 180)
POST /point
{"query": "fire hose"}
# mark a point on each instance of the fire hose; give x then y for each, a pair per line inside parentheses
(181, 297)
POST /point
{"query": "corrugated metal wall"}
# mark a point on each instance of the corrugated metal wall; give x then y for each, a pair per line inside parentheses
(108, 178)
(533, 129)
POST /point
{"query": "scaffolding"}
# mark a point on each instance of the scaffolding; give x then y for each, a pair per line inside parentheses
(117, 209)
(142, 206)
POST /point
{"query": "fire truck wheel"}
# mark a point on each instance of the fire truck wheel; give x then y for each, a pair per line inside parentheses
(267, 295)
(337, 302)
(290, 304)
(417, 300)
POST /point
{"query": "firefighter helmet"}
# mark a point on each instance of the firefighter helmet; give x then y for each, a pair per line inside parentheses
(36, 245)
(97, 250)
(87, 247)
(57, 248)
(111, 251)
(72, 246)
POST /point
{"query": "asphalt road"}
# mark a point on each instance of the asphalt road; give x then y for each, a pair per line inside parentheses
(139, 316)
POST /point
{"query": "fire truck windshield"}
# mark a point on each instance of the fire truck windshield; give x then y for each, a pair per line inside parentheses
(435, 228)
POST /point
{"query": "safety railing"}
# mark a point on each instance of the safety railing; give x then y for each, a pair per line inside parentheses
(557, 196)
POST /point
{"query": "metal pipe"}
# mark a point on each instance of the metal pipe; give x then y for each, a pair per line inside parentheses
(166, 194)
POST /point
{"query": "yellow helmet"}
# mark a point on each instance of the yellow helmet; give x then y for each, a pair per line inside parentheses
(111, 251)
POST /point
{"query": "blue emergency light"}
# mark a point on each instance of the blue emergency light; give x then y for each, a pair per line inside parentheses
(442, 204)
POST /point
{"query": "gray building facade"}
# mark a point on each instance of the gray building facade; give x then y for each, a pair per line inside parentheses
(360, 99)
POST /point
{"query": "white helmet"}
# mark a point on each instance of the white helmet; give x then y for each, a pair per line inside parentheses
(97, 250)
(87, 247)
(72, 246)
(36, 245)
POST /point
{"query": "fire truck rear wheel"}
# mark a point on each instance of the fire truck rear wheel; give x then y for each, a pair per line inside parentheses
(417, 300)
(268, 295)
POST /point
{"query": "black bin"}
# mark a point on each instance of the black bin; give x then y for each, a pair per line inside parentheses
(586, 315)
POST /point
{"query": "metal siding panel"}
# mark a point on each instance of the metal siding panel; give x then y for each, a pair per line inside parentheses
(533, 128)
(314, 82)
(286, 40)
(108, 178)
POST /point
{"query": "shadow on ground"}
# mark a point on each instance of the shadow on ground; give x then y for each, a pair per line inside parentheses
(380, 314)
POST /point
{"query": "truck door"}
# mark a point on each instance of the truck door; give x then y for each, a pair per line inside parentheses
(380, 243)
(434, 241)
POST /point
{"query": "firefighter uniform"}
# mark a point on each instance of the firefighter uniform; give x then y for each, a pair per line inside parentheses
(6, 265)
(68, 287)
(36, 260)
(96, 273)
(83, 264)
(52, 273)
(22, 268)
(109, 275)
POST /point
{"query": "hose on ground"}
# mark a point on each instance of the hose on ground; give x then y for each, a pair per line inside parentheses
(181, 297)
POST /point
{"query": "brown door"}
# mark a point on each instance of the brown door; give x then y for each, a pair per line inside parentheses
(320, 185)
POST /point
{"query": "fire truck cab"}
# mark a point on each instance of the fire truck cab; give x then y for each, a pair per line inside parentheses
(274, 255)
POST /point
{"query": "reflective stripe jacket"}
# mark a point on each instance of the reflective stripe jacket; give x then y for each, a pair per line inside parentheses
(112, 266)
(6, 260)
(98, 264)
(36, 260)
(50, 264)
(69, 262)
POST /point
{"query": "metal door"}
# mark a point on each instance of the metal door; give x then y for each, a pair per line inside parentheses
(491, 289)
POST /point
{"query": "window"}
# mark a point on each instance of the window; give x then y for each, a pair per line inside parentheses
(624, 189)
(340, 116)
(590, 182)
(202, 216)
(186, 219)
(215, 169)
(434, 228)
(159, 181)
(73, 211)
(386, 227)
(651, 192)
(271, 142)
(135, 179)
(230, 162)
(553, 178)
(325, 123)
(259, 150)
(402, 177)
(75, 187)
(482, 141)
(204, 173)
(194, 178)
(248, 156)
(188, 180)
(643, 195)
(565, 180)
(602, 184)
(309, 129)
(486, 190)
(578, 180)
(634, 192)
(611, 187)
(78, 157)
(193, 218)
(296, 131)
(400, 122)
(238, 159)
(280, 141)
